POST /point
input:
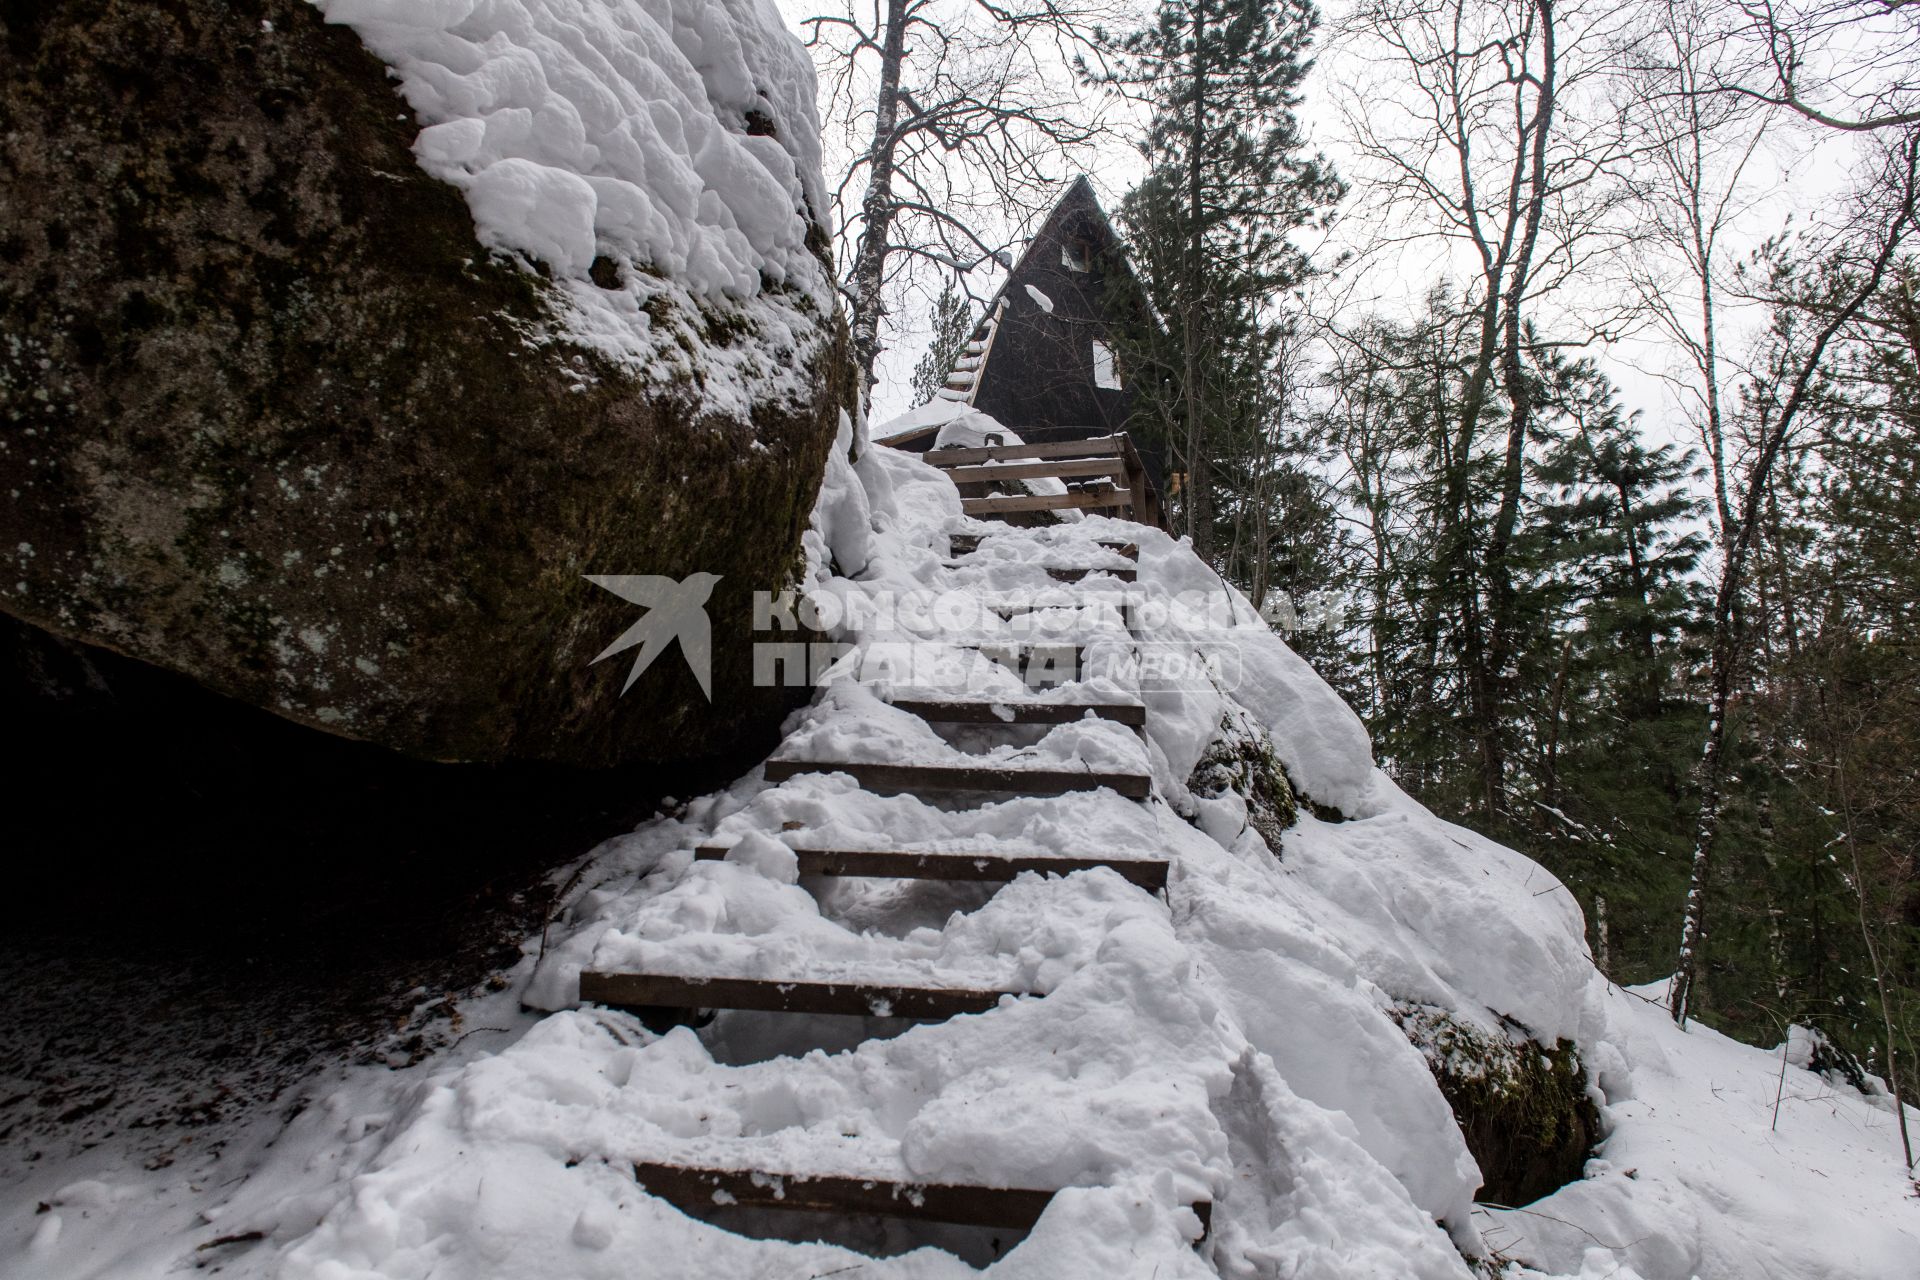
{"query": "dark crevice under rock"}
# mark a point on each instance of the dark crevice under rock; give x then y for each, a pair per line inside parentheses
(209, 906)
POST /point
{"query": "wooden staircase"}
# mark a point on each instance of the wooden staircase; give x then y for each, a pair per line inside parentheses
(1101, 473)
(1105, 474)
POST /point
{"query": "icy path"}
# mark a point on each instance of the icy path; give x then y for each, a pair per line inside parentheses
(1227, 1041)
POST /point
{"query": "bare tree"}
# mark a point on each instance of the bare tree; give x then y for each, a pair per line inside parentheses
(1692, 190)
(1495, 133)
(1852, 267)
(965, 112)
(1842, 64)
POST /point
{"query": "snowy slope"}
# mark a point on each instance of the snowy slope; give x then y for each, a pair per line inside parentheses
(676, 139)
(1231, 1040)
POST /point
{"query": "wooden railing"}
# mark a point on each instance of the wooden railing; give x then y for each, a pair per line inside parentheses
(1102, 473)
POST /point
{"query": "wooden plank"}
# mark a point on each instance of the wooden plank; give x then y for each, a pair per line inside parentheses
(1062, 573)
(984, 712)
(1046, 502)
(1078, 575)
(1061, 469)
(1037, 662)
(699, 1191)
(1150, 510)
(965, 544)
(916, 778)
(912, 864)
(702, 1190)
(771, 995)
(1094, 447)
(1116, 601)
(1056, 650)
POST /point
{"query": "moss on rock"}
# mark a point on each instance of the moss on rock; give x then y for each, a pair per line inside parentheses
(270, 417)
(1522, 1107)
(1240, 760)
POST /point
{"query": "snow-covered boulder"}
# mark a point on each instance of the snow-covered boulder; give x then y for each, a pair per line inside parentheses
(344, 338)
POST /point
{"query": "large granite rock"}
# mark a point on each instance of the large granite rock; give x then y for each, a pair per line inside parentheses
(272, 419)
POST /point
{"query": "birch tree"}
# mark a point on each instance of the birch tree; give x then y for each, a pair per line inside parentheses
(1691, 191)
(1820, 302)
(954, 114)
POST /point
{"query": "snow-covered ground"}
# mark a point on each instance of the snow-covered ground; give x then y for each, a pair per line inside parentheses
(1230, 1040)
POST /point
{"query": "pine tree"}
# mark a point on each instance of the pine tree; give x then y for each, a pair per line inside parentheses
(1601, 721)
(1229, 178)
(1609, 610)
(952, 326)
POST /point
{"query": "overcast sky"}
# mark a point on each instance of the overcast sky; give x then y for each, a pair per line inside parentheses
(1797, 171)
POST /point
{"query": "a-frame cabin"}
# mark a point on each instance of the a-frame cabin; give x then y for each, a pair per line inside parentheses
(1045, 359)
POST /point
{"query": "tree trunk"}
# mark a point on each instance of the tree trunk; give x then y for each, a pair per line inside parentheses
(1502, 599)
(1725, 652)
(869, 274)
(1199, 478)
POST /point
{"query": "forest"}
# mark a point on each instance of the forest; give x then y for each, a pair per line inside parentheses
(1409, 263)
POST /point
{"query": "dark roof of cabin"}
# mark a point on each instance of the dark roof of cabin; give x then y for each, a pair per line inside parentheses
(1041, 355)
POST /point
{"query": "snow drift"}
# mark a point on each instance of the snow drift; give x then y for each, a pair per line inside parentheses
(1233, 1041)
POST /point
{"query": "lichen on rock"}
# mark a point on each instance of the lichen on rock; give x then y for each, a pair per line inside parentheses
(1524, 1108)
(1240, 762)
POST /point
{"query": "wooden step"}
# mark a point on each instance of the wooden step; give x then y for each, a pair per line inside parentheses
(1082, 501)
(1056, 650)
(960, 711)
(698, 1190)
(1095, 447)
(915, 779)
(911, 864)
(1060, 573)
(1062, 469)
(1123, 607)
(1076, 575)
(1029, 658)
(965, 544)
(660, 991)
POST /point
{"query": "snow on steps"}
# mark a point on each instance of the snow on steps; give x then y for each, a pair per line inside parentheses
(920, 779)
(1020, 711)
(957, 864)
(1235, 1048)
(663, 999)
(867, 733)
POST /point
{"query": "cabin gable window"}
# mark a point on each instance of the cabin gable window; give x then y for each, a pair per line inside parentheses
(1106, 370)
(1074, 256)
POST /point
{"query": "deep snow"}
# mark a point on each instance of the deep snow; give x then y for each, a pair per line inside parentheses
(1231, 1040)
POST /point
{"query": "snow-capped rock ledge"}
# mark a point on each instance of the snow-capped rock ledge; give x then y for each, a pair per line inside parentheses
(677, 143)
